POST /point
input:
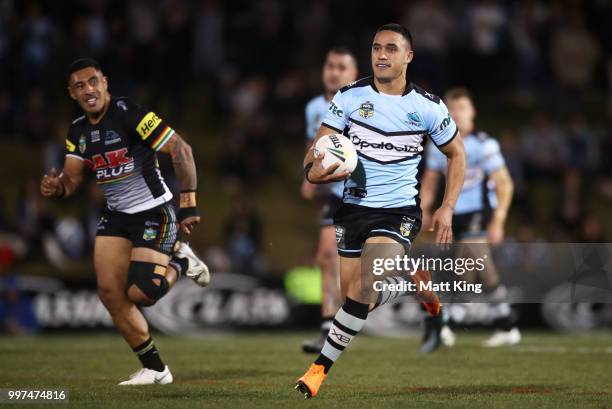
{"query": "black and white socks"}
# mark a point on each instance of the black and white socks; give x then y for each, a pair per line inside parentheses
(347, 323)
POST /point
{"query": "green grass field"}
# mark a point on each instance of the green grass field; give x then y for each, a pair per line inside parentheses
(258, 370)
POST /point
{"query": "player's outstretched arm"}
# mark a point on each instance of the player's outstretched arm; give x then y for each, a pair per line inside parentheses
(504, 189)
(455, 173)
(313, 170)
(184, 167)
(66, 183)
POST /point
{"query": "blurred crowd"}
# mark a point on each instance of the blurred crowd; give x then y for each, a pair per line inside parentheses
(245, 70)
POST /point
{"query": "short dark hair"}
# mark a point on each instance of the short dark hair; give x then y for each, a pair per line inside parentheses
(81, 63)
(342, 50)
(397, 28)
(456, 93)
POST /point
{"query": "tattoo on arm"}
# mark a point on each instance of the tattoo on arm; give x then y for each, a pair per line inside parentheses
(183, 162)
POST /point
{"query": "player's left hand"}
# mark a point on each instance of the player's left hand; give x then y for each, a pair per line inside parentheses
(189, 223)
(496, 232)
(441, 222)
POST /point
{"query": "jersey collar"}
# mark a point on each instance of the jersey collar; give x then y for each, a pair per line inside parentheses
(409, 86)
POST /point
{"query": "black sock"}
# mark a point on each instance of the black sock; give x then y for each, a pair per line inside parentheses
(148, 355)
(348, 321)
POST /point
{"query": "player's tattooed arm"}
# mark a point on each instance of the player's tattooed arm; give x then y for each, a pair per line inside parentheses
(65, 183)
(314, 172)
(185, 169)
(182, 160)
(504, 189)
(455, 173)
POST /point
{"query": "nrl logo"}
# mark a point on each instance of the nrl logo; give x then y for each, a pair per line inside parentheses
(366, 110)
(82, 144)
(149, 234)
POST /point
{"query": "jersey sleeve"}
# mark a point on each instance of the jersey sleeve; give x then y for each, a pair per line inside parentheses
(336, 116)
(72, 144)
(440, 126)
(492, 158)
(435, 160)
(311, 130)
(146, 125)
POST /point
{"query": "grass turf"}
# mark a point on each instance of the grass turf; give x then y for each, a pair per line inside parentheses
(258, 370)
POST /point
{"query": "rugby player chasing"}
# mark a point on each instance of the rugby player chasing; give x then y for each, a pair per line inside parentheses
(137, 257)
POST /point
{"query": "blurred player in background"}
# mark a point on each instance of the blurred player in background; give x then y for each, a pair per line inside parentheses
(480, 216)
(387, 118)
(339, 69)
(136, 255)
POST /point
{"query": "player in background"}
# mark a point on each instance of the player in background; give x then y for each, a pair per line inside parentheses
(137, 258)
(339, 69)
(388, 120)
(480, 216)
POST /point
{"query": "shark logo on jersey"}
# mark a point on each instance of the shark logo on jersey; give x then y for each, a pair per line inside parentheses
(366, 110)
(82, 144)
(122, 105)
(414, 118)
(95, 135)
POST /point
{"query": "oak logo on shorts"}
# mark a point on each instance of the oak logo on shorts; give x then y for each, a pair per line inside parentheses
(366, 110)
(148, 124)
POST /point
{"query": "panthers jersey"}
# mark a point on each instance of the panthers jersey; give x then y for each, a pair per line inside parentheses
(120, 150)
(315, 111)
(483, 157)
(389, 133)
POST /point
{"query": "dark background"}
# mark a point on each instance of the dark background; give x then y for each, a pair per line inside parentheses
(233, 78)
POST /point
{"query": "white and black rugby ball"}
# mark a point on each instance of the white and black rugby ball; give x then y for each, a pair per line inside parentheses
(338, 149)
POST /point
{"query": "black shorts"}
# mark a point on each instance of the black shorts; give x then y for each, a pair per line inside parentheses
(471, 225)
(329, 208)
(155, 228)
(354, 224)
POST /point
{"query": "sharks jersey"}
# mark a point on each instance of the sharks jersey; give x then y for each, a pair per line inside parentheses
(483, 156)
(315, 112)
(389, 133)
(120, 151)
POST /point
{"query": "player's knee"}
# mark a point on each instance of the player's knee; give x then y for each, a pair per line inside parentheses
(145, 285)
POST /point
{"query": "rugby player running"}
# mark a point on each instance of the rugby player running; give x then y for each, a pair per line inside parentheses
(388, 120)
(339, 69)
(136, 254)
(480, 217)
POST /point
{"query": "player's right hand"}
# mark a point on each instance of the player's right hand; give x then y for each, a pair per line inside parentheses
(50, 184)
(441, 222)
(319, 174)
